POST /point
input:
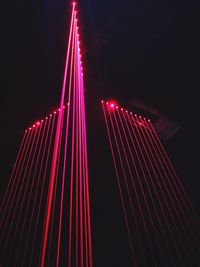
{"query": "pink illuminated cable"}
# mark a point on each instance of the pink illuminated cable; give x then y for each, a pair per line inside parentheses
(189, 228)
(23, 206)
(85, 216)
(134, 187)
(88, 219)
(55, 193)
(72, 167)
(17, 202)
(191, 219)
(65, 153)
(145, 145)
(145, 179)
(14, 171)
(87, 186)
(83, 164)
(120, 189)
(83, 183)
(151, 179)
(153, 153)
(84, 180)
(83, 169)
(78, 191)
(174, 172)
(177, 184)
(15, 184)
(40, 142)
(46, 204)
(152, 182)
(71, 181)
(86, 224)
(130, 172)
(21, 185)
(43, 185)
(77, 183)
(37, 189)
(80, 158)
(55, 153)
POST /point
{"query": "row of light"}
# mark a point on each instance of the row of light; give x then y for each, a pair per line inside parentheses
(113, 106)
(77, 34)
(80, 56)
(39, 123)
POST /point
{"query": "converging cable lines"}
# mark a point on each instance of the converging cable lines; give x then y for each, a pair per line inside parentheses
(46, 208)
(170, 232)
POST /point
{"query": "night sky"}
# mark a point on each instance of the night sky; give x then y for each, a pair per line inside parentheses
(147, 50)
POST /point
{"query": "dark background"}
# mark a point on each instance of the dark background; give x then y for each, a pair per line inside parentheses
(148, 50)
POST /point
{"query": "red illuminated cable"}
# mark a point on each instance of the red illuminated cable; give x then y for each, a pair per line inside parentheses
(80, 185)
(87, 195)
(164, 183)
(79, 152)
(42, 187)
(167, 163)
(21, 185)
(77, 184)
(178, 189)
(71, 180)
(151, 179)
(55, 192)
(15, 184)
(81, 156)
(78, 196)
(28, 180)
(129, 168)
(37, 188)
(12, 179)
(72, 167)
(119, 185)
(87, 186)
(175, 175)
(88, 211)
(84, 182)
(52, 213)
(17, 202)
(51, 221)
(122, 166)
(65, 154)
(84, 191)
(87, 224)
(152, 182)
(55, 153)
(158, 182)
(169, 183)
(145, 179)
(80, 159)
(42, 128)
(85, 216)
(134, 186)
(31, 188)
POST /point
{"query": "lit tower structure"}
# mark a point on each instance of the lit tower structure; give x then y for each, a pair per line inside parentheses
(45, 213)
(49, 187)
